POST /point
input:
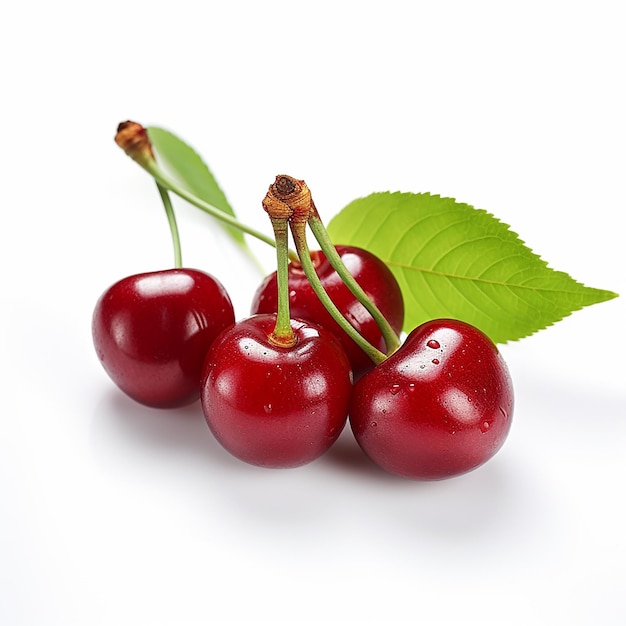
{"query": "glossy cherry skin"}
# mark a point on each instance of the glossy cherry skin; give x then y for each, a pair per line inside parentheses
(438, 407)
(372, 275)
(152, 331)
(273, 406)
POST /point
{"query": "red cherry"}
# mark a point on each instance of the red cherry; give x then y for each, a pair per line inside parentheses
(373, 276)
(276, 406)
(152, 331)
(438, 407)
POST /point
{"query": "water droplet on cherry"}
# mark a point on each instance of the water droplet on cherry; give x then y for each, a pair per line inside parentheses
(374, 424)
(434, 344)
(436, 361)
(485, 426)
(395, 388)
(267, 408)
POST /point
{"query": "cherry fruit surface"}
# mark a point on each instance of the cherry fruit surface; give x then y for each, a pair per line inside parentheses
(438, 407)
(271, 405)
(369, 271)
(152, 331)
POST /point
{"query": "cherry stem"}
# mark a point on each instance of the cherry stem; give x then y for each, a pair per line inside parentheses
(282, 334)
(161, 178)
(167, 183)
(298, 230)
(171, 218)
(392, 341)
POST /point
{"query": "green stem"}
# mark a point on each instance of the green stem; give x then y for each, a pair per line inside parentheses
(298, 230)
(171, 185)
(171, 218)
(283, 334)
(392, 341)
(155, 171)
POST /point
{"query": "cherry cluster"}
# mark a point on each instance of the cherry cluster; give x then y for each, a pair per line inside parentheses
(320, 348)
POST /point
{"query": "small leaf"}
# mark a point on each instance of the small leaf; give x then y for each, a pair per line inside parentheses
(453, 260)
(181, 162)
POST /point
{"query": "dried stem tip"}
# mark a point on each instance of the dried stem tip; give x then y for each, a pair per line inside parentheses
(133, 139)
(289, 198)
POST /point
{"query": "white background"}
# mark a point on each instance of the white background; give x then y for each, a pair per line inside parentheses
(115, 514)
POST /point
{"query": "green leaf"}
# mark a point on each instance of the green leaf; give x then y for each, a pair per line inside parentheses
(183, 164)
(453, 260)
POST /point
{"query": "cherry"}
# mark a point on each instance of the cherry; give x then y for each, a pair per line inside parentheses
(369, 271)
(276, 405)
(438, 407)
(152, 331)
